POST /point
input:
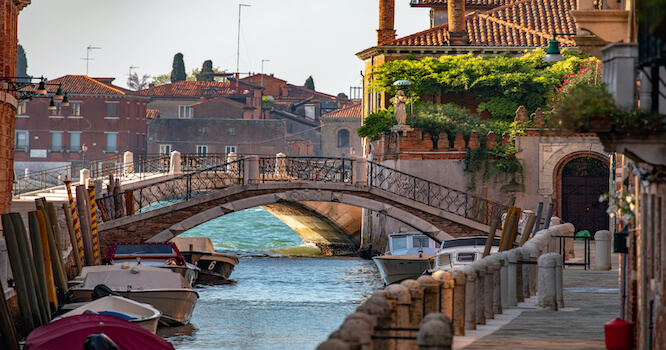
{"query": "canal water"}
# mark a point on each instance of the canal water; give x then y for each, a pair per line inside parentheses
(285, 295)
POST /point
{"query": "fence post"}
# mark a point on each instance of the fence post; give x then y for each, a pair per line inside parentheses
(128, 162)
(174, 167)
(361, 171)
(84, 177)
(480, 291)
(446, 285)
(470, 297)
(458, 301)
(281, 166)
(602, 255)
(547, 286)
(251, 170)
(430, 294)
(403, 301)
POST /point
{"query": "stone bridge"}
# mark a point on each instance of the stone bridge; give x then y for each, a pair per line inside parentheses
(160, 209)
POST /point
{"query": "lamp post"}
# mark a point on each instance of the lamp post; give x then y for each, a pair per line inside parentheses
(553, 53)
(408, 84)
(238, 42)
(84, 148)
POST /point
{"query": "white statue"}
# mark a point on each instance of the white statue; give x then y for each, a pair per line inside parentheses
(400, 112)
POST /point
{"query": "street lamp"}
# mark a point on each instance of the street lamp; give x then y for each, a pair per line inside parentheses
(408, 84)
(84, 148)
(553, 53)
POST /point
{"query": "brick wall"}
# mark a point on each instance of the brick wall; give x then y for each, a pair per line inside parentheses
(386, 33)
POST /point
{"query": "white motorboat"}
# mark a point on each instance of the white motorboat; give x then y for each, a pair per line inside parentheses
(408, 256)
(155, 254)
(461, 251)
(166, 290)
(215, 267)
(141, 314)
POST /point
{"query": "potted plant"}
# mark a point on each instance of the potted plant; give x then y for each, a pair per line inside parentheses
(585, 109)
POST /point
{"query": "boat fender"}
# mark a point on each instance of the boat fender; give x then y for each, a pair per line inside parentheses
(135, 270)
(125, 265)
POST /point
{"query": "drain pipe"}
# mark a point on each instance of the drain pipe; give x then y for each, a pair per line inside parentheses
(650, 323)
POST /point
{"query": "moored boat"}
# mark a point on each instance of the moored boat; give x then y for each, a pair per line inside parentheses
(408, 256)
(166, 290)
(215, 267)
(141, 314)
(461, 251)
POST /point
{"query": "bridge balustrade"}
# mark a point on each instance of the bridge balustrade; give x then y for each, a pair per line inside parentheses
(282, 168)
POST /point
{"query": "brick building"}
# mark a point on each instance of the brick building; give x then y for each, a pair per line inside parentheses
(107, 119)
(9, 11)
(338, 132)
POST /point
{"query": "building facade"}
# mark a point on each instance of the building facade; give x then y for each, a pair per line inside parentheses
(338, 132)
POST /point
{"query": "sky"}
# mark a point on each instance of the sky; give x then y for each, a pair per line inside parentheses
(291, 39)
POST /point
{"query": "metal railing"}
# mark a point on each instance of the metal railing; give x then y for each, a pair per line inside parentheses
(434, 195)
(305, 169)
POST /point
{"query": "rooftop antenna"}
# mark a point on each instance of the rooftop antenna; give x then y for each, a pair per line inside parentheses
(130, 69)
(238, 43)
(90, 47)
(262, 71)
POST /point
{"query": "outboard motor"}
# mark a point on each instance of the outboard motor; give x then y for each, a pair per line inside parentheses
(101, 291)
(99, 342)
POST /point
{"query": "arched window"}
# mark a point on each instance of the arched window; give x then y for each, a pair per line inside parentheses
(343, 138)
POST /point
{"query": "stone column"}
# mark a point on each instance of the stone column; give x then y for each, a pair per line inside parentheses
(531, 253)
(280, 166)
(430, 293)
(356, 332)
(470, 297)
(84, 177)
(128, 162)
(251, 170)
(602, 251)
(362, 171)
(504, 280)
(513, 278)
(547, 289)
(480, 306)
(446, 285)
(460, 281)
(416, 309)
(488, 288)
(559, 286)
(403, 302)
(388, 321)
(496, 262)
(435, 333)
(174, 166)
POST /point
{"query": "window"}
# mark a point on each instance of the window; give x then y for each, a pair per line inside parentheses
(21, 110)
(74, 141)
(58, 110)
(230, 149)
(76, 108)
(310, 112)
(165, 149)
(201, 149)
(21, 141)
(185, 112)
(343, 138)
(112, 109)
(56, 141)
(231, 131)
(111, 142)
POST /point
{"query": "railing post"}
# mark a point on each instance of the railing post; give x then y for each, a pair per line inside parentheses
(361, 171)
(128, 162)
(174, 167)
(84, 177)
(251, 176)
(281, 166)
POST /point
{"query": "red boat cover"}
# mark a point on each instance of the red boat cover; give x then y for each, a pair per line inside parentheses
(69, 333)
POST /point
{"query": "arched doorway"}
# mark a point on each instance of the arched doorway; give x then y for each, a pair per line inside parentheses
(584, 180)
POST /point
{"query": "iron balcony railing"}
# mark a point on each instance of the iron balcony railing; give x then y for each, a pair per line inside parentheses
(305, 169)
(434, 195)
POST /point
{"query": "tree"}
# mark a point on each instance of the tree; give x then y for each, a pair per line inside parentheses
(206, 71)
(136, 83)
(342, 95)
(309, 83)
(178, 69)
(21, 62)
(161, 79)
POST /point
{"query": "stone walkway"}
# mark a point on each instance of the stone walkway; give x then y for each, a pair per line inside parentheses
(591, 298)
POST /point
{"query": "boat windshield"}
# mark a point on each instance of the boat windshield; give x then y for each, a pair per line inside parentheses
(398, 243)
(420, 241)
(144, 249)
(443, 260)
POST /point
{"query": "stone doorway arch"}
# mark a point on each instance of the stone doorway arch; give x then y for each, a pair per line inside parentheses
(581, 178)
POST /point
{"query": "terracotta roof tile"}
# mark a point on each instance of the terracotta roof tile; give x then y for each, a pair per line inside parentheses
(527, 23)
(301, 93)
(152, 113)
(80, 85)
(195, 89)
(470, 3)
(353, 111)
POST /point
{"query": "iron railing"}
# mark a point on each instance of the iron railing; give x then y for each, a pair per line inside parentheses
(171, 191)
(434, 195)
(305, 169)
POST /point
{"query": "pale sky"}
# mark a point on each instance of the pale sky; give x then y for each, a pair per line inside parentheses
(299, 38)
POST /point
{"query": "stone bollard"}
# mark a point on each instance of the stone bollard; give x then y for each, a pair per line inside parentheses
(128, 162)
(251, 170)
(459, 280)
(547, 289)
(361, 171)
(470, 297)
(416, 308)
(559, 287)
(496, 261)
(357, 333)
(379, 308)
(435, 333)
(333, 344)
(488, 288)
(84, 177)
(446, 285)
(504, 280)
(513, 277)
(602, 255)
(174, 164)
(531, 254)
(389, 322)
(480, 307)
(281, 166)
(430, 294)
(403, 302)
(520, 297)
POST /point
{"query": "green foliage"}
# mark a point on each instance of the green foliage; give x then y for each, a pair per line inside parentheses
(500, 84)
(161, 79)
(21, 62)
(178, 68)
(448, 118)
(206, 71)
(342, 95)
(137, 83)
(309, 83)
(582, 102)
(377, 124)
(267, 101)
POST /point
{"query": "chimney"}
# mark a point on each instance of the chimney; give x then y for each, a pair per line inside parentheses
(386, 33)
(458, 35)
(151, 89)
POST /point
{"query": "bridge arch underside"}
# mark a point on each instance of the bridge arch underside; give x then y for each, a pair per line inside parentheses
(165, 223)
